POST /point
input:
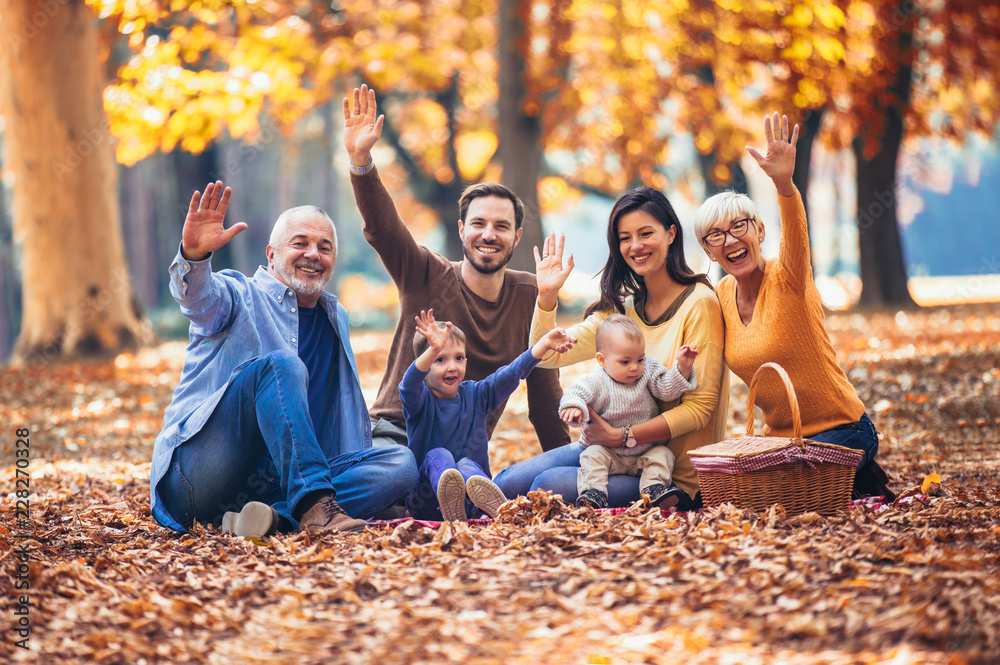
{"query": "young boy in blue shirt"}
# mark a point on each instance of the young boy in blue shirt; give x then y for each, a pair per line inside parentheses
(446, 420)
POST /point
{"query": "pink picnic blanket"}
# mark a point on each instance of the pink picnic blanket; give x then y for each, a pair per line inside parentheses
(873, 502)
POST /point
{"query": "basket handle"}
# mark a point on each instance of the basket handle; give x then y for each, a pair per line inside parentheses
(793, 402)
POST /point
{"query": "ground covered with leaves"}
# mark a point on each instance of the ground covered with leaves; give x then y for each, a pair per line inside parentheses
(918, 582)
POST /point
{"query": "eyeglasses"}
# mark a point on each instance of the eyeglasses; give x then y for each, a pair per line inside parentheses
(737, 229)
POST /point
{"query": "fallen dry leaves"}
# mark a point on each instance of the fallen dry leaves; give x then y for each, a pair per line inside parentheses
(545, 583)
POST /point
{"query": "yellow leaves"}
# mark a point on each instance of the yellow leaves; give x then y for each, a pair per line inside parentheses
(929, 480)
(800, 49)
(358, 294)
(722, 173)
(554, 194)
(475, 149)
(831, 49)
(704, 141)
(810, 94)
(830, 15)
(800, 16)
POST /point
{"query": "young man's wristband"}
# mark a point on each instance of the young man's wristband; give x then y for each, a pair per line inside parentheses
(361, 170)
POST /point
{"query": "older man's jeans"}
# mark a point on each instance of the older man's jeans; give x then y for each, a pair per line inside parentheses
(259, 445)
(556, 470)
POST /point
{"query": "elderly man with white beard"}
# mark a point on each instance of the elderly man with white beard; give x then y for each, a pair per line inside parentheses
(268, 428)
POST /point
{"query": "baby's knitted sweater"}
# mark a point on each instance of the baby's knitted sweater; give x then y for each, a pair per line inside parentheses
(628, 404)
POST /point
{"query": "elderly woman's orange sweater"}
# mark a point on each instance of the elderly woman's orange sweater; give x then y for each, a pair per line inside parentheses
(788, 328)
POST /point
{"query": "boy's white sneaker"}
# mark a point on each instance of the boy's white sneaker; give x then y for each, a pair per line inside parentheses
(451, 496)
(485, 494)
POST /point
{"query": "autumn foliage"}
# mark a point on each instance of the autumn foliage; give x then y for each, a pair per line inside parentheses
(611, 79)
(918, 582)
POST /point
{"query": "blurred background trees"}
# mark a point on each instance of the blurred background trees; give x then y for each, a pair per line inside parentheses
(556, 98)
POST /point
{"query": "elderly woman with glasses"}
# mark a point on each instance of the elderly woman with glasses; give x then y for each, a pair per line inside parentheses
(773, 313)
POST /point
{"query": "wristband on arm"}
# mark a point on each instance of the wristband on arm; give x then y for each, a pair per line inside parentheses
(361, 170)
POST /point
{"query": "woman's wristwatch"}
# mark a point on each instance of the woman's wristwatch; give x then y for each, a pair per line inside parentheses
(627, 439)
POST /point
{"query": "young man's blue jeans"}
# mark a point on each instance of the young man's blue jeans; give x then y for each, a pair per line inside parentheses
(556, 470)
(422, 502)
(259, 445)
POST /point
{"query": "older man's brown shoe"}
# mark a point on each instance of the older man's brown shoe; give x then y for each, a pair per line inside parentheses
(327, 515)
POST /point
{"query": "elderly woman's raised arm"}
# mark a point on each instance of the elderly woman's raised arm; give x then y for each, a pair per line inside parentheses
(778, 163)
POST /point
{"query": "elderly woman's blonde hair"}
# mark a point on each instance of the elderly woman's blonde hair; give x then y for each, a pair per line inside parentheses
(726, 207)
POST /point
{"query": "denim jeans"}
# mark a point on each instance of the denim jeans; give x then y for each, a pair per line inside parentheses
(259, 445)
(861, 436)
(422, 502)
(557, 469)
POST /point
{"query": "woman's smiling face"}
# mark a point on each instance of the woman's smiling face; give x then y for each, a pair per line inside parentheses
(739, 256)
(644, 242)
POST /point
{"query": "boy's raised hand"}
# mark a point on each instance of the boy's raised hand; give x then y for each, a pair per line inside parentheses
(685, 359)
(557, 340)
(437, 337)
(572, 415)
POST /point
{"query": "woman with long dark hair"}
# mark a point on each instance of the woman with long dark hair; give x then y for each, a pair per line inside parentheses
(647, 279)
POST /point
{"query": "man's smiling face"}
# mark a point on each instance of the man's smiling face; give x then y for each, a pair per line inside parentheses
(488, 233)
(304, 257)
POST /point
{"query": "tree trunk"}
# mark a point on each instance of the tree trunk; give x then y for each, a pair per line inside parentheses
(139, 227)
(737, 178)
(883, 267)
(520, 132)
(76, 288)
(444, 203)
(8, 286)
(442, 198)
(811, 121)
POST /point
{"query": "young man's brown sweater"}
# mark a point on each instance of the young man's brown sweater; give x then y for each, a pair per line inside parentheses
(496, 332)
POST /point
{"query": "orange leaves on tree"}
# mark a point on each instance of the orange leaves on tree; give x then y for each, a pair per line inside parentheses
(610, 80)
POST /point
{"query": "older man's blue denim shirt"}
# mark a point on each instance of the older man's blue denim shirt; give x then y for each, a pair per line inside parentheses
(236, 319)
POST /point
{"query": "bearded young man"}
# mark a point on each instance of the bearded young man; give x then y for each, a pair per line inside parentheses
(268, 426)
(491, 304)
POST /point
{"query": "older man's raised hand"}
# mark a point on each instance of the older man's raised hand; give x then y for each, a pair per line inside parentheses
(204, 229)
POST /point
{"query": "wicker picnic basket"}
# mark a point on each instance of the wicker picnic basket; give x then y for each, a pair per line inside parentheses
(758, 471)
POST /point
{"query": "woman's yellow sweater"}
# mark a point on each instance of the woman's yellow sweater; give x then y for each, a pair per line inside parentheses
(788, 328)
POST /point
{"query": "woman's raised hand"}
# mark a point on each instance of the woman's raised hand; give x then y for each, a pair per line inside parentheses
(550, 272)
(778, 162)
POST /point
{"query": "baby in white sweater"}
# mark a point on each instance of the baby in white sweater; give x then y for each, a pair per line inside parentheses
(624, 392)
